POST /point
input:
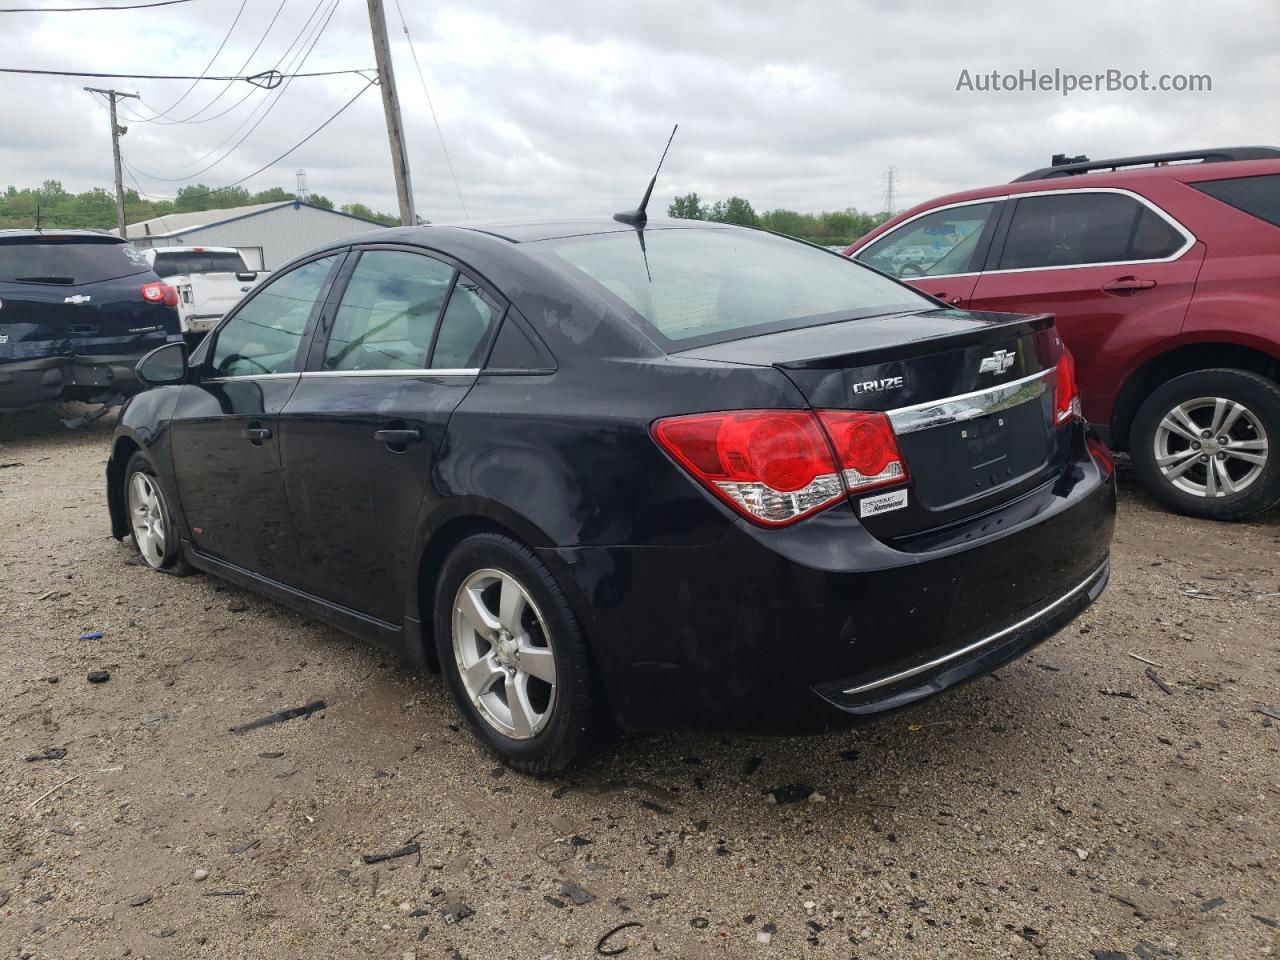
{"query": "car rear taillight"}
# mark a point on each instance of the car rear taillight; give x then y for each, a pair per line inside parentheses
(865, 447)
(1066, 397)
(776, 466)
(160, 293)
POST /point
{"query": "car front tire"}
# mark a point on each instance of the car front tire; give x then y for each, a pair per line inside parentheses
(152, 529)
(1208, 444)
(514, 657)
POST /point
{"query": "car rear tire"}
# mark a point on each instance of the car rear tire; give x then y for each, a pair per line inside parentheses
(1208, 444)
(152, 529)
(514, 657)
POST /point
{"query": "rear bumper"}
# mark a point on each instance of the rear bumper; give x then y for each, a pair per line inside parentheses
(27, 383)
(820, 625)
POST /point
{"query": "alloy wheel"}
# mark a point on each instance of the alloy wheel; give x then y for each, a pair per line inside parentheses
(147, 518)
(504, 655)
(1211, 447)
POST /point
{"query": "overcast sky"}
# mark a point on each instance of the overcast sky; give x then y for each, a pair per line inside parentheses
(562, 106)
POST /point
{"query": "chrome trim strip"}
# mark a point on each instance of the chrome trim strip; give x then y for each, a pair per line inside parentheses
(970, 406)
(985, 641)
(251, 376)
(415, 372)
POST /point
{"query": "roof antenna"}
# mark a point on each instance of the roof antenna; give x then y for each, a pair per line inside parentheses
(638, 217)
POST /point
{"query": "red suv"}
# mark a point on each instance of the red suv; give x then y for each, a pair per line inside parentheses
(1164, 274)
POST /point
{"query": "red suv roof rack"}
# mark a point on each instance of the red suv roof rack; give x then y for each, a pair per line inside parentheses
(1212, 155)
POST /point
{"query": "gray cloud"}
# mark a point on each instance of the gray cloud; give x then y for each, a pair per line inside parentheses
(563, 107)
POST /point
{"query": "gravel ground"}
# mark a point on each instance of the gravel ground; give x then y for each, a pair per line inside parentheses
(1069, 806)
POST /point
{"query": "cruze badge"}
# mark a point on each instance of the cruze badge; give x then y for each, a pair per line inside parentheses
(874, 386)
(998, 362)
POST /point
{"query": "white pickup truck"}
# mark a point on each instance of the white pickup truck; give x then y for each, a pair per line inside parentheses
(209, 280)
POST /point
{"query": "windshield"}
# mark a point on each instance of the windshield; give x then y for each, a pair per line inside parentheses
(702, 285)
(198, 261)
(69, 261)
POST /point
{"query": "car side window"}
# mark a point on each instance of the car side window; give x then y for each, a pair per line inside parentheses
(934, 245)
(1073, 229)
(264, 335)
(389, 311)
(465, 330)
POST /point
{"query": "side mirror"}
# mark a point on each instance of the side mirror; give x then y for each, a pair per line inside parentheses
(247, 276)
(164, 365)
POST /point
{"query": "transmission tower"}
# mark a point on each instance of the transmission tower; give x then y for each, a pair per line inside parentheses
(890, 187)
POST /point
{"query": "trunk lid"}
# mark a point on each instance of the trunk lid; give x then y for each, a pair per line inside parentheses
(970, 396)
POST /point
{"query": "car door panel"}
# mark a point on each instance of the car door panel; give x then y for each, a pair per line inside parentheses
(353, 493)
(229, 480)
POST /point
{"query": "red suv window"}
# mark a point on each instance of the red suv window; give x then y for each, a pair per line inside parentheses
(1069, 229)
(1257, 196)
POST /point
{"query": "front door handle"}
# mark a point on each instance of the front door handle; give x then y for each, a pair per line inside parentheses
(397, 438)
(1127, 285)
(255, 433)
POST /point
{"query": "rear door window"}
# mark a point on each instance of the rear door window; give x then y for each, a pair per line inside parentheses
(264, 335)
(1257, 196)
(389, 311)
(68, 262)
(465, 330)
(937, 244)
(1076, 229)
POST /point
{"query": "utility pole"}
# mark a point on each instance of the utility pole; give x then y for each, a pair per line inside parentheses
(117, 132)
(391, 107)
(889, 184)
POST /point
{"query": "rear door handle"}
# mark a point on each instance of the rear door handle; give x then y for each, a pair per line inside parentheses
(1127, 285)
(397, 437)
(255, 434)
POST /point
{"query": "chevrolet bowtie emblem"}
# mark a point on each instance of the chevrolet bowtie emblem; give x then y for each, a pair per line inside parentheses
(78, 298)
(998, 362)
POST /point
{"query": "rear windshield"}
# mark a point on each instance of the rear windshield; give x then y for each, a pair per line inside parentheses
(172, 264)
(692, 286)
(67, 262)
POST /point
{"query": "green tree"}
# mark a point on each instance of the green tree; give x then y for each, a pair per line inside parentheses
(320, 200)
(274, 195)
(734, 210)
(687, 207)
(360, 210)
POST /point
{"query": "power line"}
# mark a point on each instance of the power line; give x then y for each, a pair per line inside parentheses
(334, 116)
(431, 106)
(268, 79)
(230, 83)
(270, 106)
(248, 93)
(131, 6)
(223, 44)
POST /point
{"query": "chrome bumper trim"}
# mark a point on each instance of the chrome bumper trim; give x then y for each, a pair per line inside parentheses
(1040, 614)
(970, 406)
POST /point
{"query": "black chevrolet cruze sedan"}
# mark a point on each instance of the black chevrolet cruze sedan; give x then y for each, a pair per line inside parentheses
(601, 475)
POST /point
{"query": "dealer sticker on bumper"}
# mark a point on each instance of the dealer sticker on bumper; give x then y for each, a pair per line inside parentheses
(882, 503)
